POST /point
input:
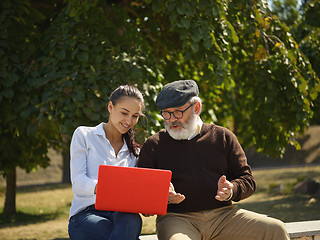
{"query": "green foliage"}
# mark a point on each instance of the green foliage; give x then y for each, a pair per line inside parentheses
(312, 13)
(306, 32)
(89, 49)
(60, 60)
(286, 10)
(270, 100)
(24, 136)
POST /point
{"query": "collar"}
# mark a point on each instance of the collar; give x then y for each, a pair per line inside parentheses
(199, 126)
(100, 131)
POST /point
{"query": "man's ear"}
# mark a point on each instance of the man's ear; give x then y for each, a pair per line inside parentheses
(197, 108)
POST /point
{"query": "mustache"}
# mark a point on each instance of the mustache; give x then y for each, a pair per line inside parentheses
(175, 123)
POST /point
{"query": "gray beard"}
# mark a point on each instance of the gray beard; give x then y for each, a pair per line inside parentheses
(188, 129)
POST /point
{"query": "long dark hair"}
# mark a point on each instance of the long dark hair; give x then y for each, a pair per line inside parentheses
(133, 92)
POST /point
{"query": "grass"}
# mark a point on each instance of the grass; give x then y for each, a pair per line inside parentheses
(288, 207)
(39, 204)
(43, 211)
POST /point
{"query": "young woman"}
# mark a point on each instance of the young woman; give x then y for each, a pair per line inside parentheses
(110, 143)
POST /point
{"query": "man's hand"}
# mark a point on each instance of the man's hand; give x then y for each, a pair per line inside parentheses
(224, 189)
(174, 197)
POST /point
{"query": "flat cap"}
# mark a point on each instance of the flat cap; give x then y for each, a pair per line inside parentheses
(176, 94)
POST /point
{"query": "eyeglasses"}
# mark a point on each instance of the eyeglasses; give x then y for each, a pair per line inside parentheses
(178, 114)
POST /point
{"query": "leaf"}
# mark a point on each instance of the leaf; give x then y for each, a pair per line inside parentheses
(180, 9)
(32, 130)
(278, 44)
(25, 113)
(195, 37)
(60, 54)
(186, 22)
(260, 54)
(8, 93)
(73, 12)
(208, 43)
(78, 95)
(83, 46)
(67, 90)
(194, 47)
(232, 32)
(156, 5)
(92, 69)
(83, 56)
(214, 42)
(99, 59)
(171, 5)
(10, 80)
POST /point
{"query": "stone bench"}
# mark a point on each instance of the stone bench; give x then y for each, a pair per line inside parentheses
(149, 237)
(307, 230)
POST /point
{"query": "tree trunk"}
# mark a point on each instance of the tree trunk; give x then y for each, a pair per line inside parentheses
(66, 167)
(10, 202)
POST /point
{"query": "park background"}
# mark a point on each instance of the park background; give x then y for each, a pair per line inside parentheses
(257, 70)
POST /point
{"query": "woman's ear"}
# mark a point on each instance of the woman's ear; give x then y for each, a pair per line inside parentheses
(110, 107)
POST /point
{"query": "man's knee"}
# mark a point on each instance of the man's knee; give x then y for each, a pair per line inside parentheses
(170, 227)
(278, 228)
(273, 229)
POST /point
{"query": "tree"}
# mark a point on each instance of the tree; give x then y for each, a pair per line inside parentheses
(307, 34)
(89, 49)
(247, 65)
(269, 90)
(24, 137)
(252, 76)
(305, 29)
(286, 10)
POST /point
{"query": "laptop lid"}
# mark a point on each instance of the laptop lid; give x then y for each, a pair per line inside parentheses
(136, 190)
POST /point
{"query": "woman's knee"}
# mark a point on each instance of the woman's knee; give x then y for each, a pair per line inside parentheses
(89, 226)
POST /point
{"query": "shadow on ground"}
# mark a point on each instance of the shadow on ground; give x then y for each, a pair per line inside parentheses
(21, 218)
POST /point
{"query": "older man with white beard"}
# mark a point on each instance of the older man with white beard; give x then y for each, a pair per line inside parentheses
(209, 171)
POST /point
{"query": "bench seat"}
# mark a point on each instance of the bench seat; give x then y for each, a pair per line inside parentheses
(306, 230)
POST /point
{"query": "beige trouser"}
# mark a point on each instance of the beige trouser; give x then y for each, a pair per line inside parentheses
(227, 223)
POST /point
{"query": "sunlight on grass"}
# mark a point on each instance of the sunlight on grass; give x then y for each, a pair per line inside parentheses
(39, 204)
(287, 207)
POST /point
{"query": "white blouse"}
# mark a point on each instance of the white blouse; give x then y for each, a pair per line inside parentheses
(88, 150)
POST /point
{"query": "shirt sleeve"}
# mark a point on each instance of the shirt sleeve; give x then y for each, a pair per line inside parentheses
(82, 185)
(239, 171)
(146, 156)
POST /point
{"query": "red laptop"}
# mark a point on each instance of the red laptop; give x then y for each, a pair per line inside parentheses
(136, 190)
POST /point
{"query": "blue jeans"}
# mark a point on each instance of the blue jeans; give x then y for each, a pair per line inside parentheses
(95, 224)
